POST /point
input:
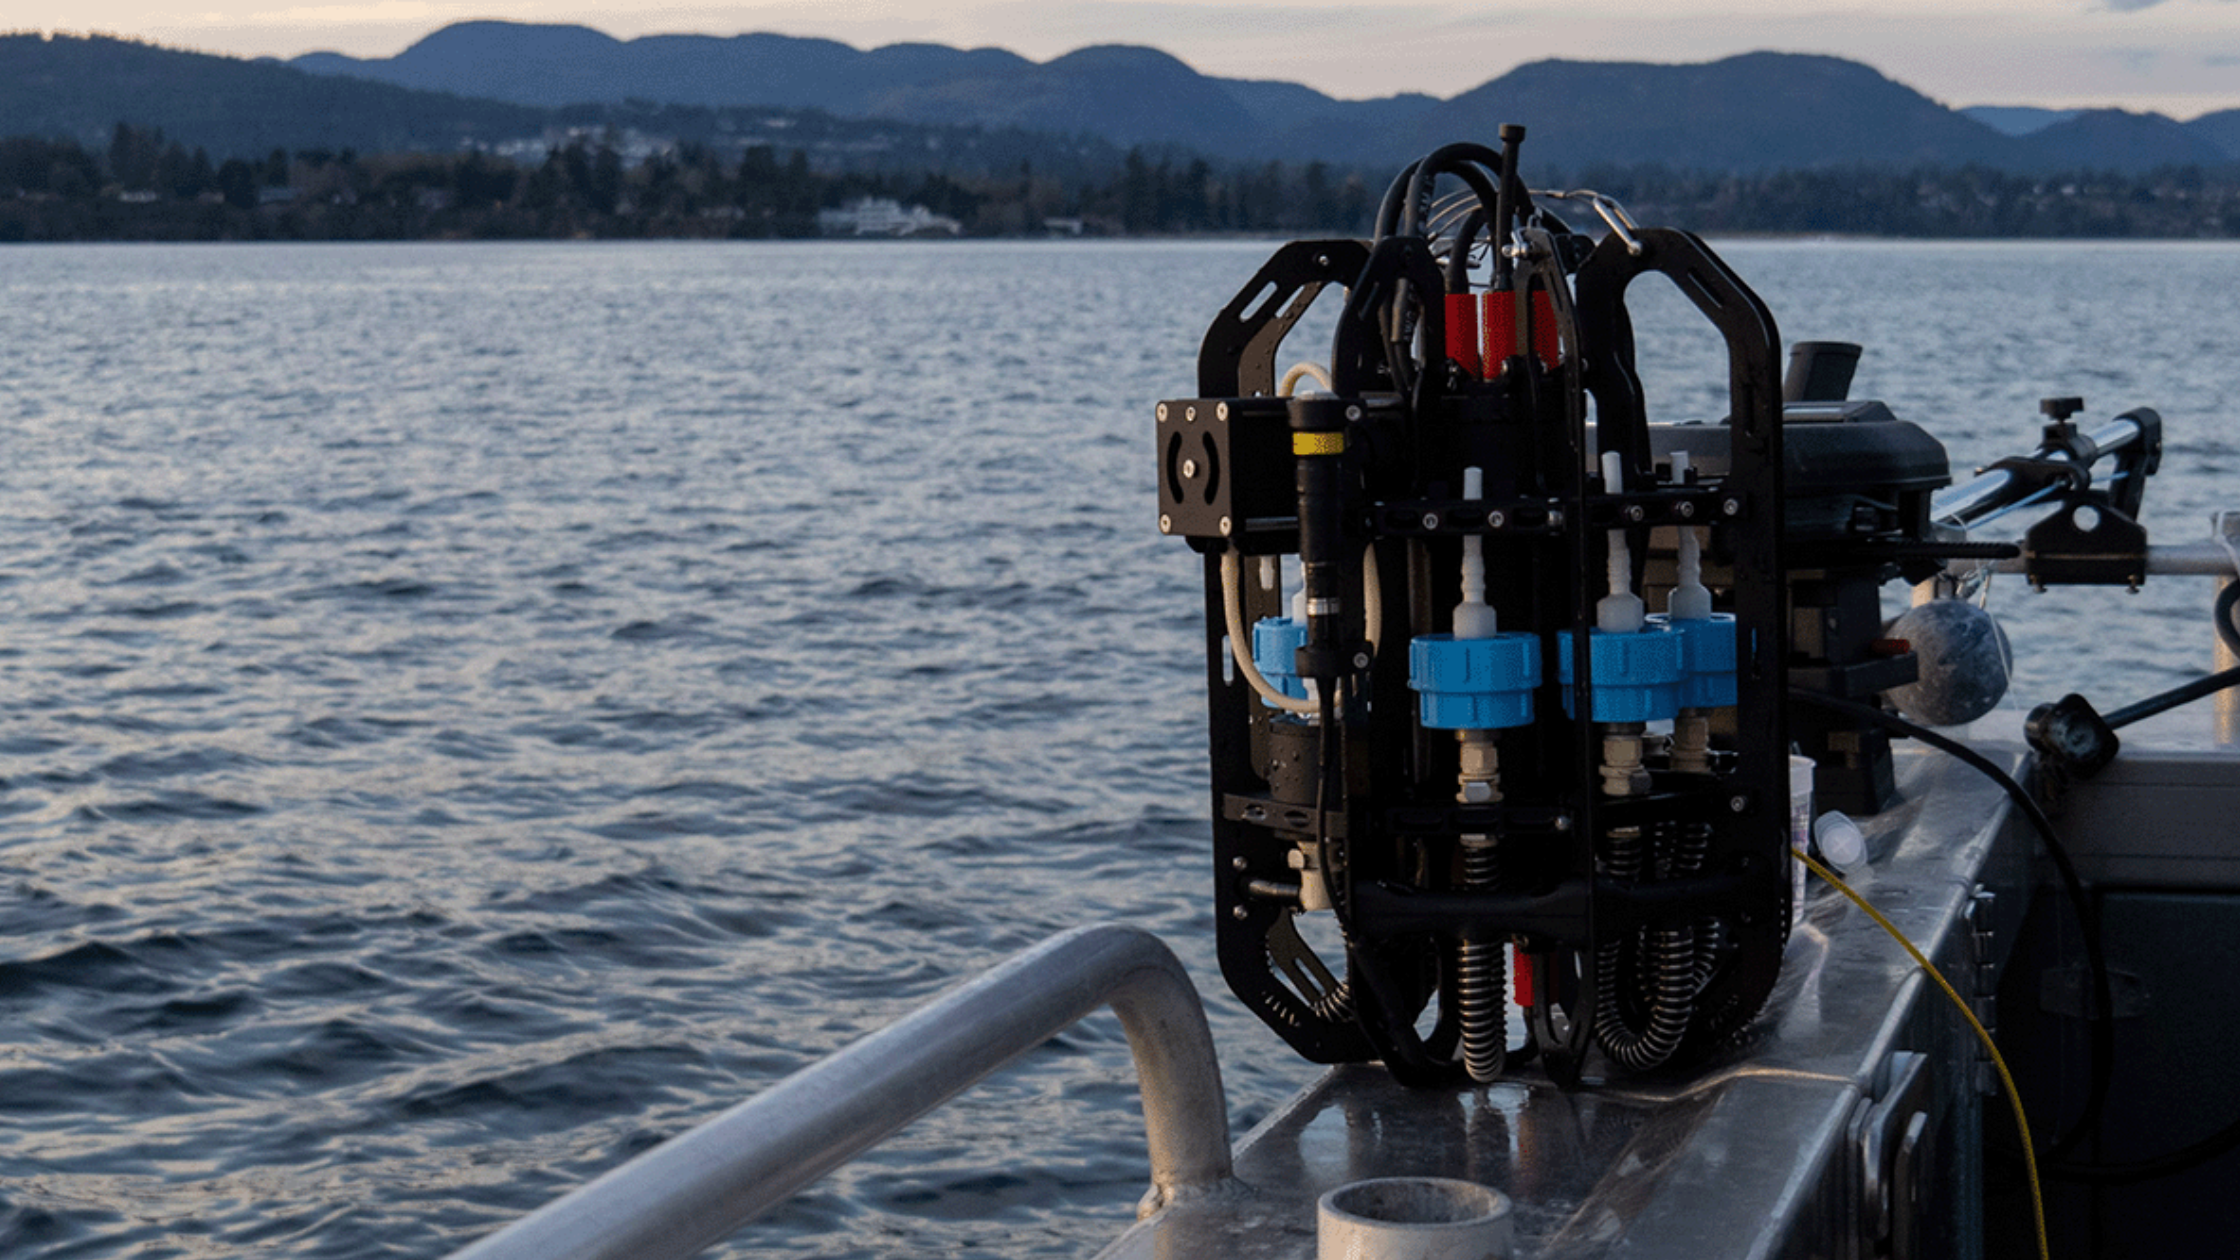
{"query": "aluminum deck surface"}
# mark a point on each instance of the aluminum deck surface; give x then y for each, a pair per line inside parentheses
(1754, 1155)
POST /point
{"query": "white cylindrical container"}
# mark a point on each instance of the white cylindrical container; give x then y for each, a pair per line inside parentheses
(1413, 1218)
(1800, 828)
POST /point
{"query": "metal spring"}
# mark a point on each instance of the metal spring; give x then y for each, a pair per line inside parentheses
(1482, 979)
(1664, 967)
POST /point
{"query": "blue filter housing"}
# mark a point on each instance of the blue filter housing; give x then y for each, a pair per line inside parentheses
(1275, 645)
(1474, 684)
(1637, 674)
(1708, 657)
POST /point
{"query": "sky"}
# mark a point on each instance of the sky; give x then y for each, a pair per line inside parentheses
(2181, 57)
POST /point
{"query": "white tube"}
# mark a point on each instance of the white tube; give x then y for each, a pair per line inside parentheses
(1240, 647)
(1474, 617)
(1621, 611)
(1300, 371)
(1690, 599)
(1372, 598)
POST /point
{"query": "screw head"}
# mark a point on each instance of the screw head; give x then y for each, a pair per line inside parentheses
(1361, 660)
(1431, 520)
(1555, 517)
(1563, 822)
(1634, 513)
(1190, 414)
(1162, 411)
(1221, 411)
(1686, 509)
(1322, 260)
(1224, 527)
(1353, 412)
(1239, 913)
(1189, 470)
(1238, 864)
(1738, 804)
(1731, 507)
(1166, 523)
(1497, 520)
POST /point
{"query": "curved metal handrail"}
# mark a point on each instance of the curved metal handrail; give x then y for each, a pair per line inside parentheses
(695, 1189)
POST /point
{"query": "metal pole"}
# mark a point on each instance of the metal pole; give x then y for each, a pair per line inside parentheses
(691, 1191)
(2221, 658)
(1963, 503)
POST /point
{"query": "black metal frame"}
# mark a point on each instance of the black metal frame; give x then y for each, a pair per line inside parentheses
(1376, 803)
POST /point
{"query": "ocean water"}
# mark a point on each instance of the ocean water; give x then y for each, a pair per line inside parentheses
(473, 711)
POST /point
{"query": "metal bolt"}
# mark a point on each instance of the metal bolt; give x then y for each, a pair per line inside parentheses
(1555, 518)
(1431, 520)
(1162, 413)
(1361, 660)
(1738, 803)
(1563, 822)
(1495, 520)
(1322, 260)
(1190, 414)
(1221, 412)
(1239, 913)
(1224, 527)
(1731, 507)
(1238, 864)
(1634, 513)
(1166, 523)
(1686, 509)
(1353, 412)
(1189, 470)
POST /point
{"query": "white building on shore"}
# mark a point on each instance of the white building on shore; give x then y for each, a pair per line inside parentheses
(884, 216)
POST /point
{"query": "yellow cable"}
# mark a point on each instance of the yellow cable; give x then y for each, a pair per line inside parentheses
(1998, 1061)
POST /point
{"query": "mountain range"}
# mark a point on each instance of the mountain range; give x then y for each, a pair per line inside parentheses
(478, 82)
(1752, 112)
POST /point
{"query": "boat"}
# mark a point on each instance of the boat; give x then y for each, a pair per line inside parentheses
(1693, 932)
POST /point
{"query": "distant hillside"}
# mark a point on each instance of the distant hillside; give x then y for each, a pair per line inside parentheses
(497, 83)
(2115, 139)
(1125, 94)
(1759, 111)
(2018, 120)
(80, 88)
(2221, 129)
(83, 87)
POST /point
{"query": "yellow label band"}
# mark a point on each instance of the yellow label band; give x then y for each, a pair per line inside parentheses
(1318, 443)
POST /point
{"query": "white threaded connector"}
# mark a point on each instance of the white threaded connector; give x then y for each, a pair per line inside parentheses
(1621, 611)
(1474, 617)
(1691, 599)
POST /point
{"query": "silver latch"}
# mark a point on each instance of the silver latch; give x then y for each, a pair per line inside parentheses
(1891, 1136)
(1982, 989)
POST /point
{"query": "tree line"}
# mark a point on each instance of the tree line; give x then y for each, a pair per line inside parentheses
(144, 186)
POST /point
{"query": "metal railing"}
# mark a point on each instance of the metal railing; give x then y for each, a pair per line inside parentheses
(695, 1189)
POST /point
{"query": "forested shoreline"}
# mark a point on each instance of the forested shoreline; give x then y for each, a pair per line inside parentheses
(143, 187)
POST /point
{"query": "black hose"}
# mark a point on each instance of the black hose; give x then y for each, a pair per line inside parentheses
(1388, 209)
(1458, 257)
(2088, 921)
(2228, 595)
(1666, 973)
(2208, 684)
(1465, 161)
